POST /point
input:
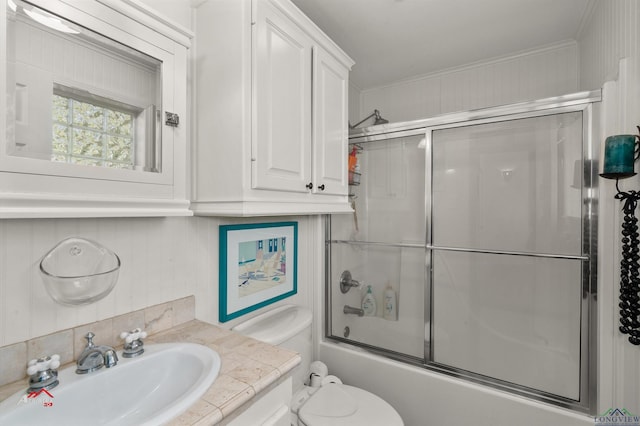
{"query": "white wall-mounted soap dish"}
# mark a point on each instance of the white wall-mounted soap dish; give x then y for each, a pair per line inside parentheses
(78, 271)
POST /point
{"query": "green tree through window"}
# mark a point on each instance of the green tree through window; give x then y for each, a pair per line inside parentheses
(84, 133)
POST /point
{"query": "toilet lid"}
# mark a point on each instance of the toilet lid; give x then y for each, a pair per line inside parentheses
(337, 404)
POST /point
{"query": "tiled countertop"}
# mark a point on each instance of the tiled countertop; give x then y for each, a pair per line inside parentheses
(248, 367)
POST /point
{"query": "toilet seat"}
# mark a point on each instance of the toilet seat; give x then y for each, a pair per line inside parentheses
(343, 405)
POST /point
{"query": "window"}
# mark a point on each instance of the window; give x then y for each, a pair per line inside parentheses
(84, 88)
(106, 96)
(90, 134)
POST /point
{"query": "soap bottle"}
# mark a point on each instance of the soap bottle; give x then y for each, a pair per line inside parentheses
(369, 303)
(390, 304)
(353, 160)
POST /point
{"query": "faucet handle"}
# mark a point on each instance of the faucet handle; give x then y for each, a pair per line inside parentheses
(135, 334)
(89, 336)
(42, 373)
(133, 345)
(43, 364)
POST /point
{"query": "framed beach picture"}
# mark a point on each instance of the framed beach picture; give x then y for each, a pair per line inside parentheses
(258, 266)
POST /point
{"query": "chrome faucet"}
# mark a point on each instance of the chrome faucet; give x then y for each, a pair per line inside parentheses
(95, 357)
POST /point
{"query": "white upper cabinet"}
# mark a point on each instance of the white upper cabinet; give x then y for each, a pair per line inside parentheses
(330, 127)
(271, 96)
(282, 99)
(92, 88)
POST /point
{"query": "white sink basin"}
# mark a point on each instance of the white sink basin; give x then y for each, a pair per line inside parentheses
(150, 389)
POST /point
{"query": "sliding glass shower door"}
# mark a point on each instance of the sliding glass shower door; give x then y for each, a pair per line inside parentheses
(506, 250)
(483, 227)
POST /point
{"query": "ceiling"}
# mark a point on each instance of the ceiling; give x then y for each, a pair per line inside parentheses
(391, 40)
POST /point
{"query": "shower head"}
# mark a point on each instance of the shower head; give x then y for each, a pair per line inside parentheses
(378, 119)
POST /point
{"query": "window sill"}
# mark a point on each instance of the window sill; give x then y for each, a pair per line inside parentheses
(28, 206)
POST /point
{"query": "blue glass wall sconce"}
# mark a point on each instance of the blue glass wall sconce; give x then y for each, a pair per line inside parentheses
(620, 154)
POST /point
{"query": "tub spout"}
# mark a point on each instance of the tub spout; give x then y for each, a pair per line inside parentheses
(350, 310)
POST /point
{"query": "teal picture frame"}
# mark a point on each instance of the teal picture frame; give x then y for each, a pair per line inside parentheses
(258, 266)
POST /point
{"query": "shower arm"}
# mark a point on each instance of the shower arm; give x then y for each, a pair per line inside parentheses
(376, 114)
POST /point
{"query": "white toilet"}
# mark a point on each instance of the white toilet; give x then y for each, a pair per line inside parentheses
(328, 402)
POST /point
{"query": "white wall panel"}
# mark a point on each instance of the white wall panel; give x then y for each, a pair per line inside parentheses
(610, 34)
(354, 103)
(610, 51)
(206, 252)
(16, 289)
(157, 266)
(545, 72)
(163, 259)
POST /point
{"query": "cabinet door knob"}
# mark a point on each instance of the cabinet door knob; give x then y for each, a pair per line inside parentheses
(309, 185)
(321, 187)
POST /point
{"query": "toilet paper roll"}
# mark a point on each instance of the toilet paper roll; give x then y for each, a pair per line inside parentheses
(319, 368)
(315, 381)
(331, 379)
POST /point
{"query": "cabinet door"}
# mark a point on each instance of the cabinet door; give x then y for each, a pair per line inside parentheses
(81, 111)
(270, 408)
(330, 125)
(281, 138)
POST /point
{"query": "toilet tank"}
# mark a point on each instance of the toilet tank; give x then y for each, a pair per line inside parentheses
(287, 326)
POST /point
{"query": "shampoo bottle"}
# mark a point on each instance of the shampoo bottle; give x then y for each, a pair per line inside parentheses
(369, 303)
(353, 160)
(390, 304)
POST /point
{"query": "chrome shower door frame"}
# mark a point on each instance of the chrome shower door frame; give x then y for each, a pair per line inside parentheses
(577, 102)
(588, 258)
